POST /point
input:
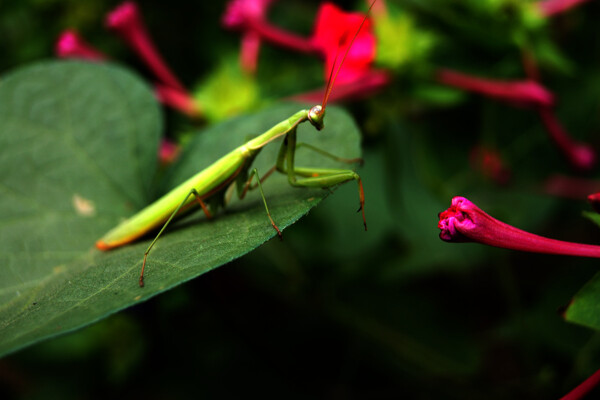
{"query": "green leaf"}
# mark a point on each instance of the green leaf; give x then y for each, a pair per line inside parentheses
(78, 141)
(79, 153)
(592, 216)
(585, 306)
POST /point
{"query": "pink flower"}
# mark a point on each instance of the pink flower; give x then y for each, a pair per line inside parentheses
(490, 164)
(178, 100)
(333, 33)
(168, 152)
(465, 222)
(127, 22)
(584, 387)
(525, 93)
(550, 8)
(594, 200)
(70, 45)
(238, 16)
(575, 188)
(248, 16)
(580, 155)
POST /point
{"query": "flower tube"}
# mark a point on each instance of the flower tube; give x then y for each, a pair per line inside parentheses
(465, 222)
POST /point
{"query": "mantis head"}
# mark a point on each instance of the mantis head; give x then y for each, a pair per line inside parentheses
(316, 115)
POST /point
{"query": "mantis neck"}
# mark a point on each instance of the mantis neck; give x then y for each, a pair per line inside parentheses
(278, 130)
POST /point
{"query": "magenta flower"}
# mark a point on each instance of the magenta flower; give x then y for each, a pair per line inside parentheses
(240, 15)
(490, 164)
(127, 21)
(248, 16)
(550, 8)
(333, 33)
(178, 100)
(168, 152)
(522, 93)
(584, 387)
(594, 200)
(569, 187)
(465, 222)
(580, 155)
(71, 45)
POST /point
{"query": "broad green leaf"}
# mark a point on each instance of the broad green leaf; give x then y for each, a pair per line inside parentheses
(585, 306)
(79, 144)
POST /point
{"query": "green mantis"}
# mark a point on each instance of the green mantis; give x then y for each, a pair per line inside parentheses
(208, 188)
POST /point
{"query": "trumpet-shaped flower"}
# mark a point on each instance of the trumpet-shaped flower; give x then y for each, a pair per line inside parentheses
(178, 100)
(248, 16)
(549, 8)
(334, 32)
(580, 155)
(522, 93)
(490, 164)
(237, 16)
(71, 45)
(126, 20)
(465, 222)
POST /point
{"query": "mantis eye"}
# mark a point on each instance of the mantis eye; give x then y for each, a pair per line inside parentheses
(315, 116)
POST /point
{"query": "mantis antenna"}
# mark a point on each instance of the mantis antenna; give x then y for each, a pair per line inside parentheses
(332, 75)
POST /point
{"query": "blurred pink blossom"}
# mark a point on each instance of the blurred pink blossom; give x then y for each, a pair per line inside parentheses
(70, 45)
(521, 93)
(127, 21)
(549, 8)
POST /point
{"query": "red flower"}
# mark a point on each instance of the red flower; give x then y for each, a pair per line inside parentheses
(71, 45)
(549, 8)
(490, 164)
(238, 15)
(526, 92)
(584, 387)
(248, 16)
(333, 33)
(177, 99)
(127, 22)
(168, 152)
(580, 155)
(594, 200)
(465, 222)
(575, 188)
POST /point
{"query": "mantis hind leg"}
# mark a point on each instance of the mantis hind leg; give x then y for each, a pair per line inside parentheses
(192, 192)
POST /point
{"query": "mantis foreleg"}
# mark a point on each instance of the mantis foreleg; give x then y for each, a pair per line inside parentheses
(315, 177)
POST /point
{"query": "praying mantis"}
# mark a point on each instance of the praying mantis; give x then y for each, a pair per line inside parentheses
(209, 188)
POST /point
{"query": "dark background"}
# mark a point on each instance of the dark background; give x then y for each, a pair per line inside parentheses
(332, 311)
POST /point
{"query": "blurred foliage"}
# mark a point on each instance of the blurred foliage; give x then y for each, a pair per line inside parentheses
(332, 311)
